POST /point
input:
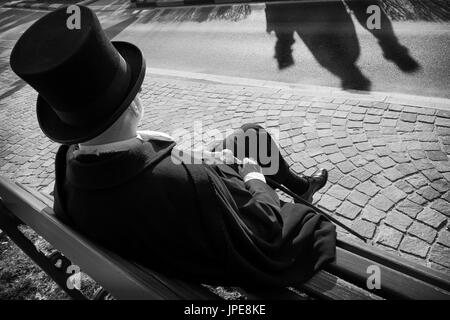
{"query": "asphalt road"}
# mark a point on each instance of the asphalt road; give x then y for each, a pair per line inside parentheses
(330, 49)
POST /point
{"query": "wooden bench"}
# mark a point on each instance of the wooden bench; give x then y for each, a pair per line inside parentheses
(344, 279)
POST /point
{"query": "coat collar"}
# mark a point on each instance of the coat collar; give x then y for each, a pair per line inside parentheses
(112, 169)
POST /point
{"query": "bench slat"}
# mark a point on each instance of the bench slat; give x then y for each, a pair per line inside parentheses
(392, 261)
(394, 284)
(325, 285)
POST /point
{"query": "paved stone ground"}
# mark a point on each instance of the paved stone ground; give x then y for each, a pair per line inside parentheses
(388, 163)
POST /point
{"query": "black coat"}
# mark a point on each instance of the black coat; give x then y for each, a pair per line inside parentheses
(196, 222)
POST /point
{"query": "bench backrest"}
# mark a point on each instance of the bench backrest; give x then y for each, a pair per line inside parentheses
(344, 279)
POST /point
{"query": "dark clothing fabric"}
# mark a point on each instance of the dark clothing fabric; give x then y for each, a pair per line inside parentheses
(192, 221)
(265, 151)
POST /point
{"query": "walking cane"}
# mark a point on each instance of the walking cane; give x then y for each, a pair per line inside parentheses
(310, 205)
(219, 157)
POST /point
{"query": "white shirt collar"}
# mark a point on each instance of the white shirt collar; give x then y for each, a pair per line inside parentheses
(108, 147)
(124, 144)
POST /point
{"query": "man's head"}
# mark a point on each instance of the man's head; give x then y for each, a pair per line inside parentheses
(86, 83)
(123, 128)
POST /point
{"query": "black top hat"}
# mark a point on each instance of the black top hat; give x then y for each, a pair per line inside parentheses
(85, 81)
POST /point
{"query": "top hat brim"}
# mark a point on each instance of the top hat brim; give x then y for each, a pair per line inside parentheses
(63, 133)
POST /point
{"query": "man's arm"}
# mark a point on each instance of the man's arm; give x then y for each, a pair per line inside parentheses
(262, 211)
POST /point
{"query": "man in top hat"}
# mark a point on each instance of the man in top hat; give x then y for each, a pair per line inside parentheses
(211, 222)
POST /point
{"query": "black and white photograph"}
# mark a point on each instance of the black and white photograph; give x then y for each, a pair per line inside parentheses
(231, 154)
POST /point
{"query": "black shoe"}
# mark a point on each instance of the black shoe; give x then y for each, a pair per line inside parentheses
(399, 55)
(316, 182)
(284, 61)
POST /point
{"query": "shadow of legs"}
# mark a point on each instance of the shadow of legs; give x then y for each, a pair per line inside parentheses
(283, 49)
(326, 29)
(388, 41)
(337, 51)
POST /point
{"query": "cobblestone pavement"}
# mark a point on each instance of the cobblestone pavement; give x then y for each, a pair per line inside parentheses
(388, 163)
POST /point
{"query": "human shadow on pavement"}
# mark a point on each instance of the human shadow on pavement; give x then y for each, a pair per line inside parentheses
(327, 30)
(388, 41)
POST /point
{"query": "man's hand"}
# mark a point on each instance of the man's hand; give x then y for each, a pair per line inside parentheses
(251, 170)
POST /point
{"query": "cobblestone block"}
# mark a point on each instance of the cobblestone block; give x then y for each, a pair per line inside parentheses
(368, 188)
(441, 206)
(334, 175)
(429, 193)
(381, 202)
(385, 162)
(437, 156)
(329, 203)
(349, 152)
(364, 146)
(348, 210)
(388, 122)
(417, 181)
(348, 182)
(364, 228)
(443, 114)
(432, 218)
(440, 255)
(408, 117)
(404, 186)
(399, 157)
(372, 119)
(358, 161)
(417, 154)
(336, 157)
(346, 167)
(432, 174)
(394, 194)
(423, 232)
(406, 169)
(444, 238)
(338, 192)
(380, 181)
(417, 199)
(442, 122)
(361, 174)
(425, 118)
(441, 185)
(392, 174)
(414, 246)
(428, 137)
(398, 220)
(373, 168)
(358, 198)
(389, 237)
(382, 151)
(410, 208)
(357, 138)
(308, 162)
(372, 214)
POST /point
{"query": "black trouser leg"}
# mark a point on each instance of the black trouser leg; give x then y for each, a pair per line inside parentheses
(253, 141)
